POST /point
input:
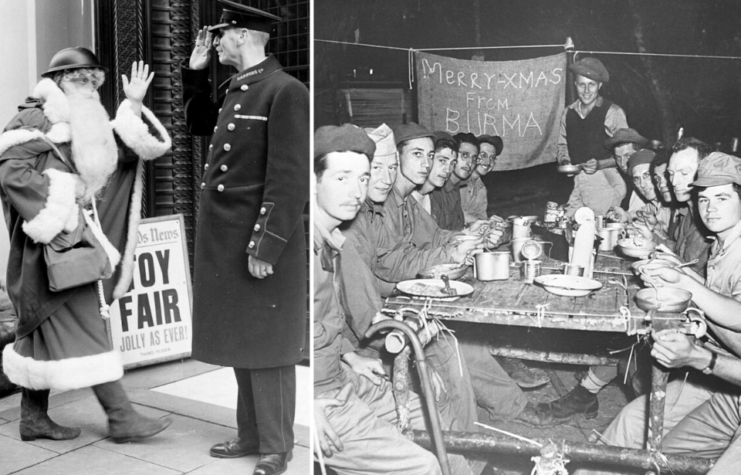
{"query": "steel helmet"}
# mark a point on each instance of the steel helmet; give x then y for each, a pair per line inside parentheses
(73, 58)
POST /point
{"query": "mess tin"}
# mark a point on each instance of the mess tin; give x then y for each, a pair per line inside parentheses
(491, 265)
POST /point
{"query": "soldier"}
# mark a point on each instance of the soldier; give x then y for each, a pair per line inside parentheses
(249, 306)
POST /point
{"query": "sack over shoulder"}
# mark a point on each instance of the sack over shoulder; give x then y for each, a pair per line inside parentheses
(76, 259)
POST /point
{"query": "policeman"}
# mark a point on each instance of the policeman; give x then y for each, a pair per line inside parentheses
(249, 305)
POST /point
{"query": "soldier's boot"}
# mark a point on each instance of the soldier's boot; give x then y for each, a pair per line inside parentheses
(124, 423)
(577, 401)
(35, 422)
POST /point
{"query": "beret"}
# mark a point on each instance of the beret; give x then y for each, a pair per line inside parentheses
(345, 138)
(718, 169)
(625, 136)
(411, 131)
(591, 68)
(642, 156)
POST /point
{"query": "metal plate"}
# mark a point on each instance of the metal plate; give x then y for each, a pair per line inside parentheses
(433, 288)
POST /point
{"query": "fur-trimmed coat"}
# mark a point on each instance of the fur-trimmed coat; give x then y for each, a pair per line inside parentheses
(39, 196)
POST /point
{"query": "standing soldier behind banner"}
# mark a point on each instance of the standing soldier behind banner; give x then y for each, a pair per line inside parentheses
(249, 305)
(585, 125)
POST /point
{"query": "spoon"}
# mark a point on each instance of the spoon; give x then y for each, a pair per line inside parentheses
(692, 262)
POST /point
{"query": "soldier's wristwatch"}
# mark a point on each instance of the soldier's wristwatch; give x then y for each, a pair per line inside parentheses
(711, 366)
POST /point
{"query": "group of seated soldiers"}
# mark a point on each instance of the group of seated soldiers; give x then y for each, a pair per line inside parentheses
(391, 203)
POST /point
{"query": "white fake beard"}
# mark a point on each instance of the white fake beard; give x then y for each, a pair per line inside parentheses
(94, 149)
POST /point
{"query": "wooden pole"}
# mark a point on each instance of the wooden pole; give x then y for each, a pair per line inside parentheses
(570, 90)
(400, 389)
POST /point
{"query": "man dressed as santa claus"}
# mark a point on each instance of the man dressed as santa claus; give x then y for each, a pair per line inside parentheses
(64, 166)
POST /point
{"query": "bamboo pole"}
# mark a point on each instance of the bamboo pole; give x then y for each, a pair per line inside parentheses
(554, 357)
(462, 442)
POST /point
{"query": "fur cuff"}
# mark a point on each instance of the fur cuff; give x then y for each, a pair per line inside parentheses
(14, 137)
(56, 214)
(134, 132)
(56, 104)
(59, 133)
(62, 375)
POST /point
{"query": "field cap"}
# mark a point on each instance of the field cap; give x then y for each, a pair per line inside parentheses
(625, 136)
(383, 137)
(493, 140)
(718, 169)
(345, 138)
(591, 68)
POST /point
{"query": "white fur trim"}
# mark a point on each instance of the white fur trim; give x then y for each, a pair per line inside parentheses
(135, 133)
(62, 375)
(59, 133)
(60, 204)
(56, 104)
(14, 137)
(127, 266)
(113, 255)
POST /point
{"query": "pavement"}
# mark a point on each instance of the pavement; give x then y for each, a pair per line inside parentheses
(199, 398)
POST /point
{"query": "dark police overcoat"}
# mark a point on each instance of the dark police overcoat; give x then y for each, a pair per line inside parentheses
(255, 187)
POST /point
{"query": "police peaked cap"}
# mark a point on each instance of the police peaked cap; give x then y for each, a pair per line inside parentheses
(236, 15)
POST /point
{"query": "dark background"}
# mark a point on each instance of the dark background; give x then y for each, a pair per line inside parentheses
(659, 94)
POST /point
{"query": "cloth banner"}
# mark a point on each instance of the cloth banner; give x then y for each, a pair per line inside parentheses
(520, 101)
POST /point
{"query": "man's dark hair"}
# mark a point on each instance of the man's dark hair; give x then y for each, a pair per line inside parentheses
(466, 137)
(661, 158)
(320, 162)
(446, 143)
(402, 144)
(703, 149)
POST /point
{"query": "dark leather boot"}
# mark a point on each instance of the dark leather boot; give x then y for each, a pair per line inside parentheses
(576, 401)
(272, 464)
(124, 423)
(35, 422)
(532, 417)
(525, 376)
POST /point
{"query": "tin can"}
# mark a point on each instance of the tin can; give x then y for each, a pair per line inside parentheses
(600, 221)
(531, 269)
(551, 205)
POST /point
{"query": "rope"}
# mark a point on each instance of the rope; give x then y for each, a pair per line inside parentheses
(104, 308)
(576, 52)
(540, 315)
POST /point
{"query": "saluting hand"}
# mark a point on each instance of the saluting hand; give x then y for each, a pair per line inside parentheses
(201, 54)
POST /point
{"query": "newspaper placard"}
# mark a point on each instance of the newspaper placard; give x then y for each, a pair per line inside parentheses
(152, 323)
(520, 101)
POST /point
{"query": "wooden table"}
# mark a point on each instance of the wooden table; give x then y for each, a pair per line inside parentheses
(514, 302)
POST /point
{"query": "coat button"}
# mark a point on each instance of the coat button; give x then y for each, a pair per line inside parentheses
(227, 147)
(203, 185)
(205, 167)
(237, 107)
(257, 228)
(211, 147)
(251, 244)
(244, 87)
(263, 210)
(230, 127)
(220, 109)
(216, 127)
(224, 168)
(220, 188)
